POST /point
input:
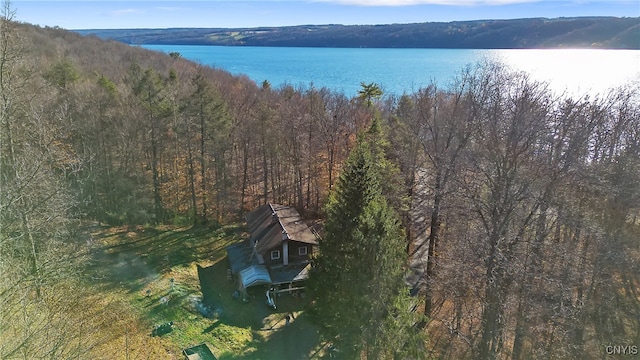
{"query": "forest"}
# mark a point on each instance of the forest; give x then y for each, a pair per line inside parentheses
(528, 201)
(532, 33)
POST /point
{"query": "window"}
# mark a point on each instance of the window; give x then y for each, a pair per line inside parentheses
(275, 254)
(302, 251)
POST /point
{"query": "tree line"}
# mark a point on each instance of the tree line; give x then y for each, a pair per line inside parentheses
(527, 201)
(531, 33)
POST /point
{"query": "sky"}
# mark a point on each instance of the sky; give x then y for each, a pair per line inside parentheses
(117, 14)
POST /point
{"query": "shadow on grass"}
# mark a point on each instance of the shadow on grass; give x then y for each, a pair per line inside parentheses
(298, 340)
(273, 339)
(134, 261)
(211, 327)
(217, 293)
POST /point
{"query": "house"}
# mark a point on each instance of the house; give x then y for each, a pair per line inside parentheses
(278, 251)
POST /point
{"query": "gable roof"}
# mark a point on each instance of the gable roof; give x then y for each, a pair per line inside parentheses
(255, 275)
(270, 224)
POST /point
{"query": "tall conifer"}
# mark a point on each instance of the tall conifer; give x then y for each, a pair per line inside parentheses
(361, 298)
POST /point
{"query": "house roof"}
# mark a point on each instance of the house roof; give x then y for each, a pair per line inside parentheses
(250, 272)
(240, 256)
(292, 273)
(254, 275)
(270, 225)
(270, 222)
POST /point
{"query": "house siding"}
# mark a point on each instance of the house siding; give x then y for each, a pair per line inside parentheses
(294, 251)
(267, 256)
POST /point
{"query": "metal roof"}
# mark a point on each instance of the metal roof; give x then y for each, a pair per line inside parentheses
(254, 275)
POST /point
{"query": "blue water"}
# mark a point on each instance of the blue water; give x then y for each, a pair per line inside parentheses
(400, 71)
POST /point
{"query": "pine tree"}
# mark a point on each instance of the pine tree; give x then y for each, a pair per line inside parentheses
(361, 299)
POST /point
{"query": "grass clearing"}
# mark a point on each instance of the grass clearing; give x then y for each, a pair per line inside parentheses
(153, 274)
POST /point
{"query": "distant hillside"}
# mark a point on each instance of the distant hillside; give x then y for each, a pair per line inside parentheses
(583, 32)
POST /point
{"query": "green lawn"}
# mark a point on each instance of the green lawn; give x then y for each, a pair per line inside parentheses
(137, 267)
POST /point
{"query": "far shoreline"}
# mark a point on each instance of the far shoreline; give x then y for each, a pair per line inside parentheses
(607, 33)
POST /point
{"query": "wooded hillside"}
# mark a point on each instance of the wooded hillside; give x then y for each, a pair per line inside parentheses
(528, 201)
(536, 33)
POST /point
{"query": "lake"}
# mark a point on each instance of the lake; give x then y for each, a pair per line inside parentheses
(577, 71)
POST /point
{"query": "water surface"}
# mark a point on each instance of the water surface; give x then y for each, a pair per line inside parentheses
(401, 71)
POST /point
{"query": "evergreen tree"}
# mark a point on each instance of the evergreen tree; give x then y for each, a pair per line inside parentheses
(362, 301)
(369, 92)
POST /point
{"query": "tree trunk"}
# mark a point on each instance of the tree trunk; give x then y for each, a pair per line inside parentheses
(531, 273)
(203, 169)
(192, 186)
(431, 254)
(265, 174)
(157, 199)
(491, 343)
(491, 321)
(245, 171)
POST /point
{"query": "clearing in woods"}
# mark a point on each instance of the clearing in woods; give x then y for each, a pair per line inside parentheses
(153, 273)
